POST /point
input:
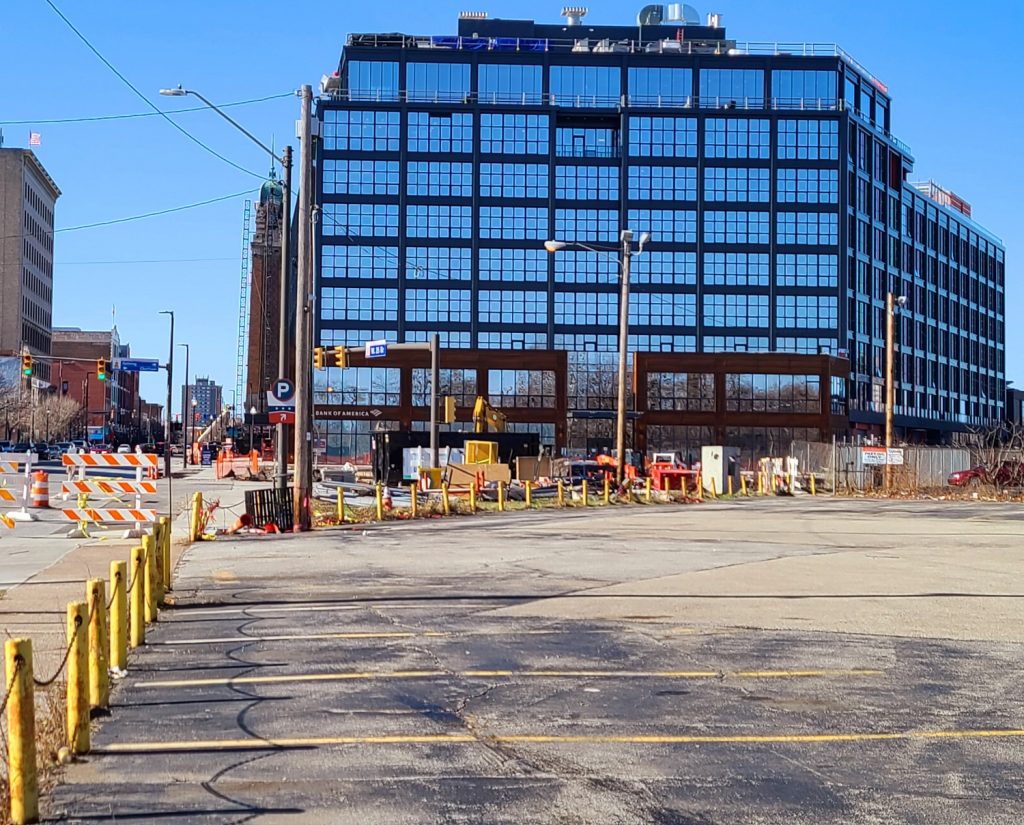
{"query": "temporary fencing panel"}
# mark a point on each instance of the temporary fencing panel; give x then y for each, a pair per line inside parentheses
(270, 506)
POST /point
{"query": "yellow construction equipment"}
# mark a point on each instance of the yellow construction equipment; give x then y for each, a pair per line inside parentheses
(486, 417)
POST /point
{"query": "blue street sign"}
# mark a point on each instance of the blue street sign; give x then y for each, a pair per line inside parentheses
(376, 349)
(137, 365)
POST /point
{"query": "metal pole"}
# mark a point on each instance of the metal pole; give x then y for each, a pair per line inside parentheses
(185, 407)
(620, 415)
(890, 390)
(170, 399)
(303, 344)
(281, 447)
(435, 381)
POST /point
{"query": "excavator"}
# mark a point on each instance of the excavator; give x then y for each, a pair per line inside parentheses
(486, 418)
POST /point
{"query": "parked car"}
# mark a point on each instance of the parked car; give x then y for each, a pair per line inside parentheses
(53, 452)
(99, 447)
(1007, 474)
(124, 448)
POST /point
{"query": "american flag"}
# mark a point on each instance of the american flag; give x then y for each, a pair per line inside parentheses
(35, 139)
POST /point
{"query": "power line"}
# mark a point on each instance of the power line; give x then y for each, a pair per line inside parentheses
(133, 115)
(152, 261)
(145, 99)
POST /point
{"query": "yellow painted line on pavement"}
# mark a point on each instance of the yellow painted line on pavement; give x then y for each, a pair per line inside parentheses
(371, 634)
(495, 674)
(554, 739)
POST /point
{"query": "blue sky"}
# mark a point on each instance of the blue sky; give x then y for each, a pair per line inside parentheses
(952, 70)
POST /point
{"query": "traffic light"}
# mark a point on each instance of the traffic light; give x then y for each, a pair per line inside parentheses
(449, 409)
(319, 360)
(340, 357)
(101, 369)
(26, 364)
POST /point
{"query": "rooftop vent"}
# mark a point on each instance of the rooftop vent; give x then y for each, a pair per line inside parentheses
(574, 15)
(714, 20)
(683, 14)
(472, 15)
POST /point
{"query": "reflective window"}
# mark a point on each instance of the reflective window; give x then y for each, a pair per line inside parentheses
(437, 221)
(693, 391)
(736, 138)
(354, 337)
(360, 177)
(514, 222)
(449, 306)
(808, 186)
(363, 386)
(512, 307)
(437, 82)
(663, 137)
(581, 267)
(514, 134)
(736, 227)
(586, 183)
(664, 268)
(521, 388)
(663, 309)
(663, 183)
(373, 80)
(809, 139)
(370, 131)
(439, 132)
(662, 343)
(376, 262)
(736, 310)
(513, 265)
(736, 268)
(586, 142)
(513, 340)
(660, 87)
(446, 338)
(735, 343)
(806, 270)
(807, 228)
(598, 308)
(807, 346)
(438, 263)
(587, 224)
(440, 179)
(510, 83)
(358, 304)
(736, 184)
(360, 219)
(665, 225)
(731, 87)
(513, 180)
(459, 383)
(773, 393)
(585, 86)
(806, 311)
(803, 89)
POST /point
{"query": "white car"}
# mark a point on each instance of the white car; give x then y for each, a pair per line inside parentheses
(124, 448)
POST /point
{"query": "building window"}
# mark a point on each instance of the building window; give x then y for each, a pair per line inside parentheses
(513, 180)
(665, 268)
(593, 308)
(355, 337)
(514, 222)
(807, 270)
(663, 309)
(446, 306)
(358, 304)
(663, 137)
(735, 343)
(731, 88)
(683, 391)
(586, 142)
(736, 268)
(375, 80)
(807, 186)
(807, 139)
(513, 307)
(803, 89)
(586, 183)
(585, 86)
(736, 227)
(435, 221)
(439, 179)
(808, 228)
(736, 184)
(807, 346)
(510, 83)
(773, 393)
(665, 225)
(806, 312)
(521, 388)
(440, 132)
(514, 134)
(369, 262)
(361, 177)
(446, 338)
(364, 220)
(513, 265)
(662, 343)
(736, 310)
(736, 138)
(461, 384)
(662, 183)
(357, 131)
(576, 266)
(363, 386)
(438, 263)
(660, 87)
(513, 340)
(437, 82)
(586, 224)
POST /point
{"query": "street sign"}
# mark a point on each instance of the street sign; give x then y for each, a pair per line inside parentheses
(282, 393)
(376, 349)
(280, 416)
(136, 364)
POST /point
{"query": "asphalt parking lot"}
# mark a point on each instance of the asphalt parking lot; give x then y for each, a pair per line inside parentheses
(799, 661)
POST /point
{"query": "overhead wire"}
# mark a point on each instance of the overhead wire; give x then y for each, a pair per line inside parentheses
(145, 99)
(145, 261)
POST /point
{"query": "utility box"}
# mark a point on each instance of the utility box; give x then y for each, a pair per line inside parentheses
(717, 466)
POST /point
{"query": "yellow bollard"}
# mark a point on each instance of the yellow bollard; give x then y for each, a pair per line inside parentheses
(165, 536)
(414, 503)
(380, 501)
(118, 615)
(561, 493)
(158, 566)
(341, 505)
(137, 614)
(814, 490)
(743, 485)
(730, 486)
(78, 679)
(647, 489)
(22, 778)
(607, 489)
(760, 483)
(501, 496)
(583, 492)
(99, 677)
(529, 493)
(446, 501)
(194, 527)
(789, 480)
(700, 487)
(714, 489)
(149, 577)
(472, 497)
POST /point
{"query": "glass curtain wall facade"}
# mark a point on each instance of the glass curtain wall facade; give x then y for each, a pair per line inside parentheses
(774, 192)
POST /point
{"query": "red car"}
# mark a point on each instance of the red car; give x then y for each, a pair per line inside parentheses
(1007, 474)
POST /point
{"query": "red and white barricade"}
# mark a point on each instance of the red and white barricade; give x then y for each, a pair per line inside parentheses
(143, 463)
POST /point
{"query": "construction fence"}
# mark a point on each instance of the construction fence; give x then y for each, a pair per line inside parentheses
(841, 467)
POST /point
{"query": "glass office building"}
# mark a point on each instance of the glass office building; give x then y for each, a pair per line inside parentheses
(779, 204)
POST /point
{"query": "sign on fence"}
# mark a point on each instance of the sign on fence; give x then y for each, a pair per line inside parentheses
(873, 456)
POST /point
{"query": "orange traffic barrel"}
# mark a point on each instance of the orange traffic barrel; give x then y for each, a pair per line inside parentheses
(40, 495)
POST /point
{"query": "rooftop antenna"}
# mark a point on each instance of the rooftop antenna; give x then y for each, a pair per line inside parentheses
(574, 15)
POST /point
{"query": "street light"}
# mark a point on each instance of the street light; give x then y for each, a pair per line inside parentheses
(184, 407)
(893, 303)
(625, 253)
(192, 425)
(280, 453)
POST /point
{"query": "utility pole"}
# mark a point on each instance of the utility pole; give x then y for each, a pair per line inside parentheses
(280, 445)
(620, 416)
(303, 320)
(890, 390)
(435, 388)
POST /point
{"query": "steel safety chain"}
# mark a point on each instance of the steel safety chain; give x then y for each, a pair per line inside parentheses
(18, 662)
(67, 653)
(114, 589)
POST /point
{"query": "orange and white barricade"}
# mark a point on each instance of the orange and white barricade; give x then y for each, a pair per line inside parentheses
(142, 463)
